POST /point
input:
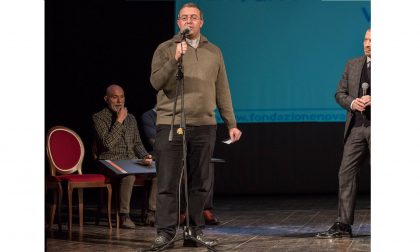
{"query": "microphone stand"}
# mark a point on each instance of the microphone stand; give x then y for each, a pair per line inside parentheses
(188, 232)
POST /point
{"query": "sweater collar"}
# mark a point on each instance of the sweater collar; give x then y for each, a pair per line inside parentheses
(177, 38)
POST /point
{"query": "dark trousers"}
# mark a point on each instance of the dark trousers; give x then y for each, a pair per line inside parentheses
(208, 205)
(200, 144)
(356, 149)
(209, 183)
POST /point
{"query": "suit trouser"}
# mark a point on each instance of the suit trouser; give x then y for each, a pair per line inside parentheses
(152, 194)
(356, 149)
(200, 142)
(126, 189)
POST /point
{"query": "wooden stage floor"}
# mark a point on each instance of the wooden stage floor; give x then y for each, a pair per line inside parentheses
(248, 223)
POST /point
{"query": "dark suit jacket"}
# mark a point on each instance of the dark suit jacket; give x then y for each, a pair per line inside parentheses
(148, 127)
(348, 88)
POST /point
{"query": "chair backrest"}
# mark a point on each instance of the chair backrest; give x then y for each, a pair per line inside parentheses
(65, 151)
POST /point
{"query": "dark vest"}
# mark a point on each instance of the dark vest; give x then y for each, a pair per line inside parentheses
(363, 118)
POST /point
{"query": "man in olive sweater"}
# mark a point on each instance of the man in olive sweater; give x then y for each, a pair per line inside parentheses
(205, 88)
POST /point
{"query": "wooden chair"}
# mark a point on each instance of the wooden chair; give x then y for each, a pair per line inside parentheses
(65, 153)
(52, 183)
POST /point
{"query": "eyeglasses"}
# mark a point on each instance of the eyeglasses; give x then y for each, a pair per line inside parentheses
(184, 18)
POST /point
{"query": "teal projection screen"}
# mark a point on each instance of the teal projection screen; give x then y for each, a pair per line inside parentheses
(284, 58)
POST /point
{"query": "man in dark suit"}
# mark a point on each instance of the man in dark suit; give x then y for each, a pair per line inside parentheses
(353, 94)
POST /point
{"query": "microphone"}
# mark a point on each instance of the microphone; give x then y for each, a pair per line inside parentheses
(365, 87)
(185, 32)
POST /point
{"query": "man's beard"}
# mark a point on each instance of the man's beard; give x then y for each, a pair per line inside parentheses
(116, 108)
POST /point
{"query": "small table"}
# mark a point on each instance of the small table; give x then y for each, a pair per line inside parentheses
(128, 166)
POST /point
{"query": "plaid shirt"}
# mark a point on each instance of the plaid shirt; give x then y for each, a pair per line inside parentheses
(115, 140)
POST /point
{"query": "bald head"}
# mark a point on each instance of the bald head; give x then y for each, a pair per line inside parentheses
(115, 97)
(113, 88)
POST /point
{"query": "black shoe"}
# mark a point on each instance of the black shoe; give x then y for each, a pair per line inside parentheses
(160, 241)
(126, 222)
(150, 218)
(199, 236)
(338, 230)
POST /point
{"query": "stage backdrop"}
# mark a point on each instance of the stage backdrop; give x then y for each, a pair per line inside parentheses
(90, 44)
(284, 58)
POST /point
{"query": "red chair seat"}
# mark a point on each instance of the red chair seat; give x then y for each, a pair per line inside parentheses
(82, 178)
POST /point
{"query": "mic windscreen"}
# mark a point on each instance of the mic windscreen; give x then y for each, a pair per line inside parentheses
(365, 85)
(186, 31)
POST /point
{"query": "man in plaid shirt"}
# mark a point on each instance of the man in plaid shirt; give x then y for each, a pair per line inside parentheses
(117, 137)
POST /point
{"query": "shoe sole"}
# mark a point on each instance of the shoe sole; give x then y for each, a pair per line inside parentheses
(333, 237)
(171, 246)
(212, 223)
(194, 244)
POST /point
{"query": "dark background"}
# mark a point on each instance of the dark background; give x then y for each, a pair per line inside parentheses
(91, 44)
